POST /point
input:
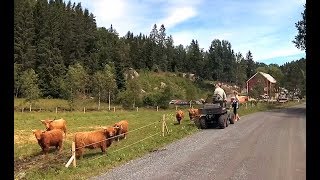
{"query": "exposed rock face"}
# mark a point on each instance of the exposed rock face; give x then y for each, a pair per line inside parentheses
(131, 73)
(163, 85)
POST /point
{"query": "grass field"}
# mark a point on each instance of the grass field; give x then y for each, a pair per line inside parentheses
(144, 137)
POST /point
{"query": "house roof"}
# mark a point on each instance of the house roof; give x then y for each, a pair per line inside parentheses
(267, 76)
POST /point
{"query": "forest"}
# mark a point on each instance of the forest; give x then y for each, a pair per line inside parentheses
(59, 52)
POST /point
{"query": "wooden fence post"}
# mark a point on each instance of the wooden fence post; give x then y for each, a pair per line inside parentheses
(157, 108)
(246, 105)
(176, 107)
(73, 157)
(114, 109)
(22, 109)
(163, 118)
(56, 109)
(73, 148)
(30, 107)
(84, 109)
(164, 125)
(137, 109)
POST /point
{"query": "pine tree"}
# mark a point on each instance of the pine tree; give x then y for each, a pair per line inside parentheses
(215, 59)
(250, 65)
(24, 34)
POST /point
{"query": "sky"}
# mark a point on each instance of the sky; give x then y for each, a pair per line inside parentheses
(265, 27)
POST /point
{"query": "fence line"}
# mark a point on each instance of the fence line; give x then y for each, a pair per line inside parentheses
(117, 135)
(126, 146)
(73, 157)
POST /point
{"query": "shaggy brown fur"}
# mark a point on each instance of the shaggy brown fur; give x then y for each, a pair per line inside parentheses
(121, 128)
(193, 113)
(55, 124)
(49, 138)
(179, 115)
(101, 138)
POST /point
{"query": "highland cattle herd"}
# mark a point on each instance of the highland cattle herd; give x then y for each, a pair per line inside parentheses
(56, 132)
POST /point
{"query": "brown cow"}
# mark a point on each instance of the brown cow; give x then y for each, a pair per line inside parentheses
(179, 115)
(101, 138)
(49, 138)
(55, 124)
(193, 113)
(121, 129)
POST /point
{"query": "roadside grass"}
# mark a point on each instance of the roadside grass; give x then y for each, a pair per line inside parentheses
(31, 164)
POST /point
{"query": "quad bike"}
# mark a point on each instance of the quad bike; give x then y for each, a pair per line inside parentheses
(215, 113)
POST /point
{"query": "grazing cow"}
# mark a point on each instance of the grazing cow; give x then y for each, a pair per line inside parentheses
(193, 113)
(179, 115)
(49, 138)
(101, 138)
(121, 128)
(55, 124)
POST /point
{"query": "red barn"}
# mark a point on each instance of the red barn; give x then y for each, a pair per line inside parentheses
(266, 79)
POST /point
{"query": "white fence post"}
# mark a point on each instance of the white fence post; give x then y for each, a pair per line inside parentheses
(73, 157)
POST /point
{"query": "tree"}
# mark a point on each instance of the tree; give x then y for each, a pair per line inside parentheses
(250, 69)
(104, 85)
(300, 38)
(24, 33)
(17, 79)
(76, 80)
(215, 59)
(29, 85)
(240, 70)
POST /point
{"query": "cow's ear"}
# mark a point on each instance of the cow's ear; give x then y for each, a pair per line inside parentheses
(33, 131)
(50, 121)
(105, 130)
(42, 121)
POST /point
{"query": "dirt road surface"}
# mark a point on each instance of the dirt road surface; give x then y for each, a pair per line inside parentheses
(261, 146)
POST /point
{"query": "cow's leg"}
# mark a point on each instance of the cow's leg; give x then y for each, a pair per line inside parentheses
(60, 146)
(79, 153)
(103, 148)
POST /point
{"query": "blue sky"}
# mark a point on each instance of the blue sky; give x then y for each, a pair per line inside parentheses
(265, 27)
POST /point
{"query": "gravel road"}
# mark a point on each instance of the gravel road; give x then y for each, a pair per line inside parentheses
(267, 145)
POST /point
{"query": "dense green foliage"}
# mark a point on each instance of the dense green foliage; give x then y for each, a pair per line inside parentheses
(69, 54)
(300, 38)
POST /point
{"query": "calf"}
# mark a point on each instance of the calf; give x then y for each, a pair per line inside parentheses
(121, 129)
(49, 138)
(101, 138)
(179, 116)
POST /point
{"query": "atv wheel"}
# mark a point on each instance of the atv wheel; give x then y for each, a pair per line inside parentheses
(222, 121)
(203, 123)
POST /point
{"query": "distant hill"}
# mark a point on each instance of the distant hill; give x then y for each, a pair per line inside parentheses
(182, 86)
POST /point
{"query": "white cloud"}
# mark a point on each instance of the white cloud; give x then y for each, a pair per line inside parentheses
(177, 16)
